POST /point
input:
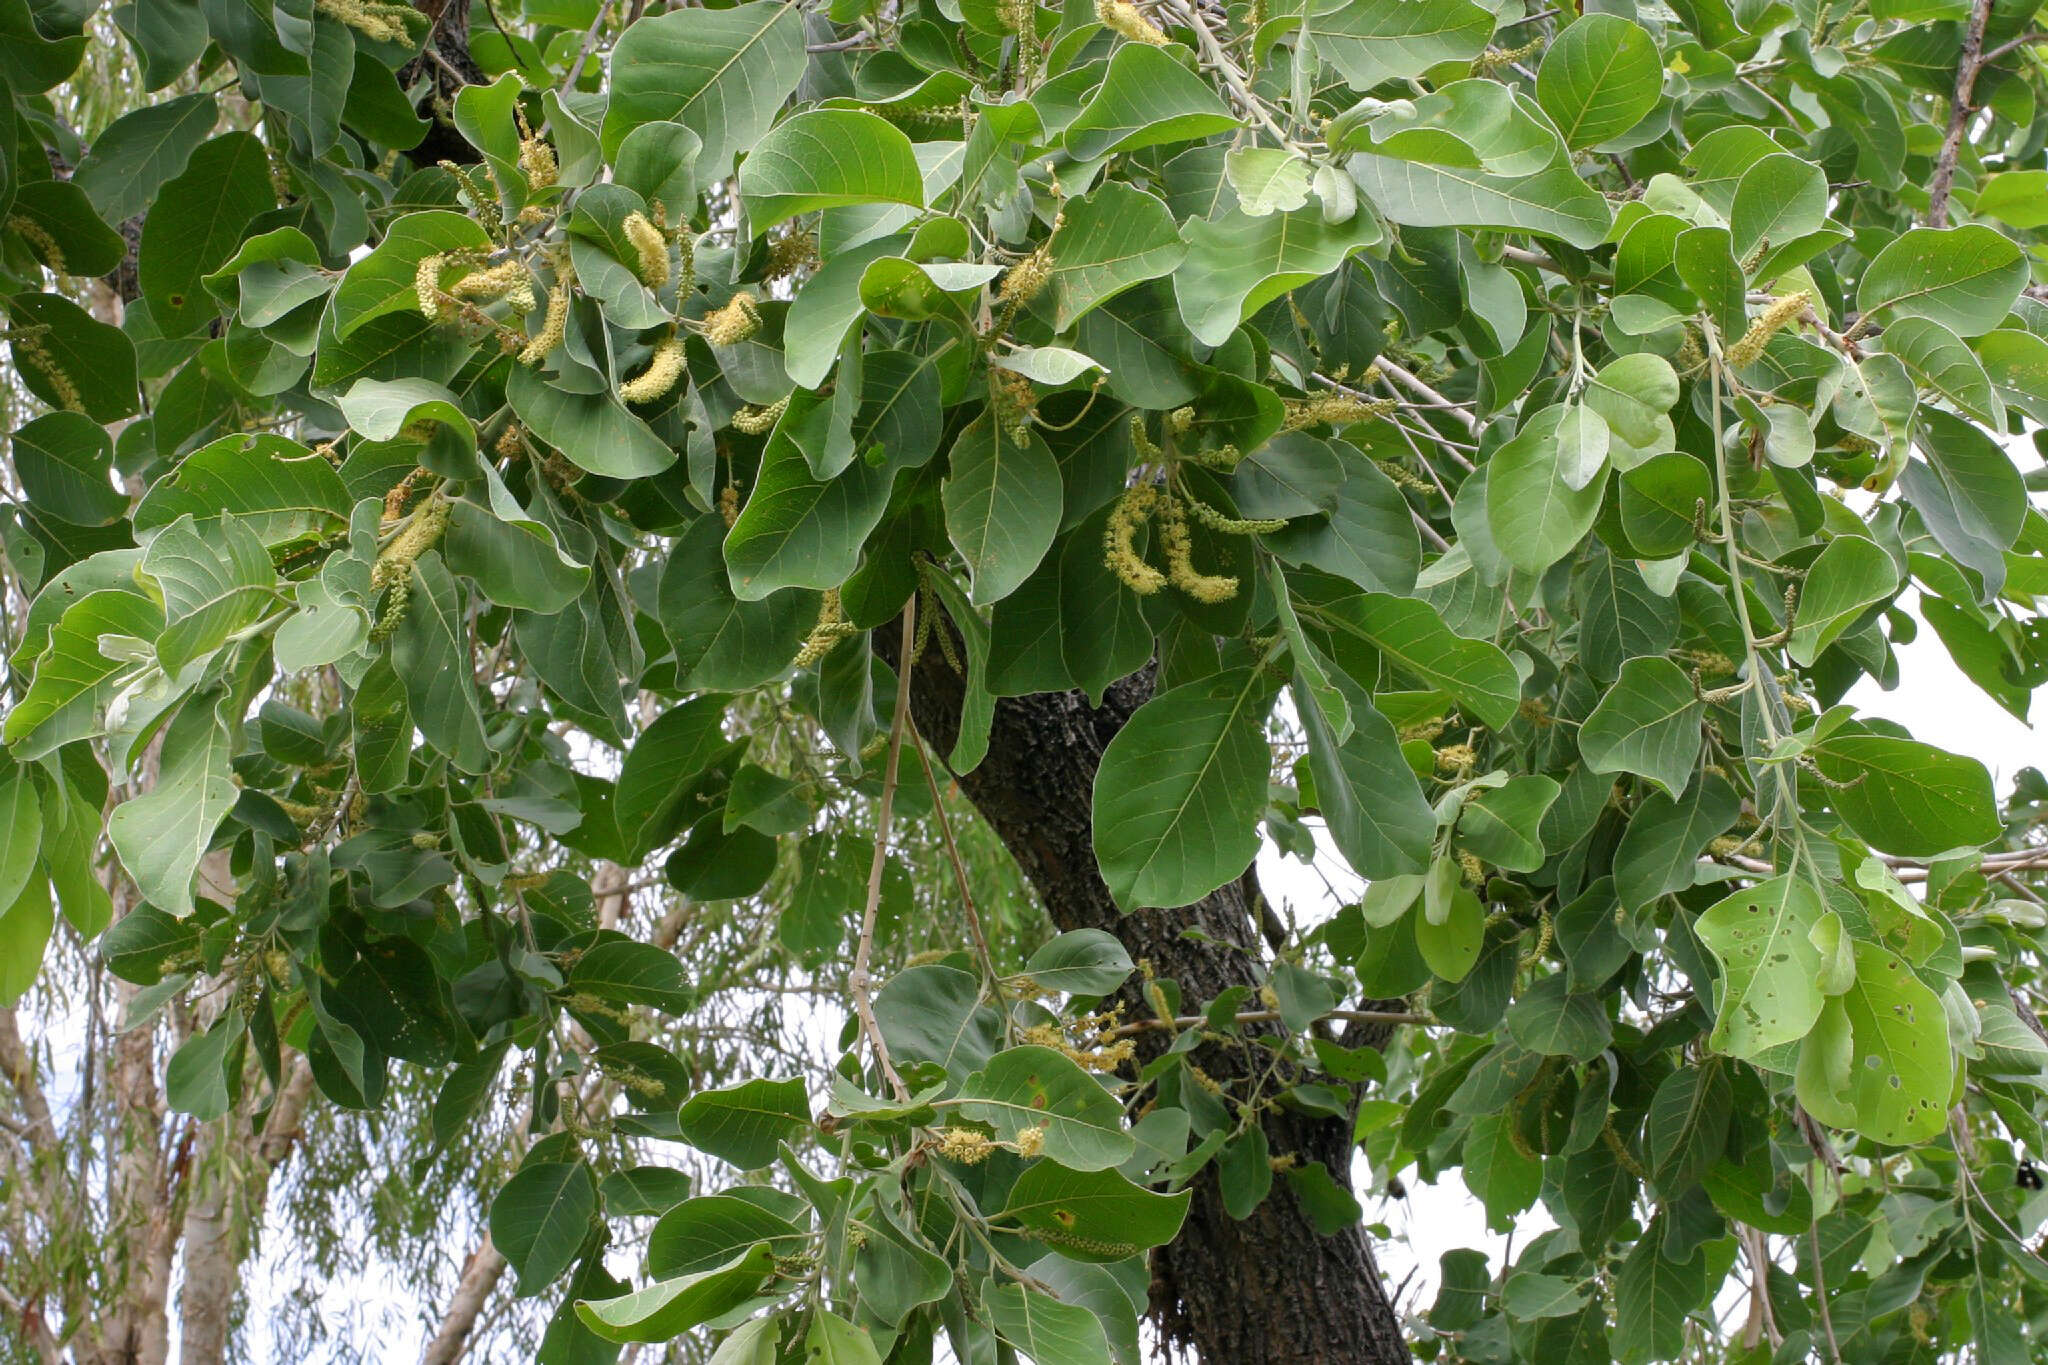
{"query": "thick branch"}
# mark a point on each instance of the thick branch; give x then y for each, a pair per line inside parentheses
(1258, 1291)
(1959, 111)
(480, 1276)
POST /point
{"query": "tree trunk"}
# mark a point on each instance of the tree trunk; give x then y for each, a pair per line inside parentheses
(231, 1179)
(1268, 1290)
(479, 1277)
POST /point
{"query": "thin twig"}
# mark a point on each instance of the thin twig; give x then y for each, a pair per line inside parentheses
(859, 984)
(583, 53)
(1959, 112)
(1422, 390)
(988, 962)
(2010, 45)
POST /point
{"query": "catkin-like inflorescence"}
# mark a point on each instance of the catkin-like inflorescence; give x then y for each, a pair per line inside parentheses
(537, 162)
(1233, 526)
(1127, 19)
(1026, 279)
(491, 283)
(552, 327)
(734, 323)
(756, 421)
(1119, 540)
(832, 627)
(1767, 324)
(651, 248)
(379, 22)
(965, 1146)
(426, 284)
(1178, 542)
(659, 377)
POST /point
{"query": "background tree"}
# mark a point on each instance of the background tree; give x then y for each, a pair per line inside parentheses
(515, 451)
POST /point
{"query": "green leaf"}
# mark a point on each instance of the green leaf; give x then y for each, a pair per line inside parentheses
(1180, 790)
(1036, 1087)
(627, 972)
(65, 463)
(723, 74)
(73, 680)
(1113, 237)
(661, 768)
(1146, 98)
(199, 1080)
(1462, 1284)
(1095, 1216)
(1906, 797)
(1370, 536)
(1965, 278)
(1536, 517)
(1664, 840)
(1686, 1129)
(1451, 948)
(703, 1233)
(1551, 1018)
(1081, 962)
(746, 1124)
(1002, 502)
(386, 280)
(1899, 1071)
(1552, 203)
(827, 158)
(722, 643)
(430, 650)
(796, 530)
(1939, 360)
(1371, 42)
(1237, 264)
(1648, 724)
(25, 928)
(1653, 1296)
(1071, 624)
(540, 1218)
(1779, 199)
(1504, 826)
(21, 814)
(74, 360)
(2016, 198)
(593, 430)
(1506, 1181)
(198, 220)
(1660, 502)
(1043, 1328)
(162, 834)
(833, 1340)
(1600, 77)
(137, 153)
(666, 1309)
(278, 489)
(1365, 790)
(212, 586)
(1530, 1296)
(1770, 971)
(1850, 574)
(1411, 635)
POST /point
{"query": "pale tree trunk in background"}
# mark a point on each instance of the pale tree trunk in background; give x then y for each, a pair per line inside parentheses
(231, 1172)
(479, 1277)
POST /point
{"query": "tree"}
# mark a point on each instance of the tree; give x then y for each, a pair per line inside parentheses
(803, 450)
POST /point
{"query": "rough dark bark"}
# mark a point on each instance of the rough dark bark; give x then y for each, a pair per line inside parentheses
(1265, 1291)
(446, 64)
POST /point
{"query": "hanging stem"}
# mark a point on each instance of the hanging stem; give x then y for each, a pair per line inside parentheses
(859, 984)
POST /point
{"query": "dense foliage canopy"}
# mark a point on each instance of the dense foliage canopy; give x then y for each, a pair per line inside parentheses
(1498, 438)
